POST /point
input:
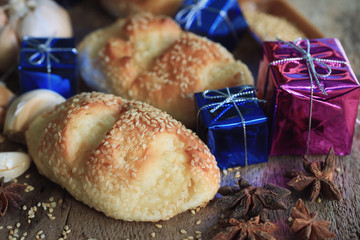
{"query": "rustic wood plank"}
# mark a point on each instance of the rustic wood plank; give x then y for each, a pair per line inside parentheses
(86, 223)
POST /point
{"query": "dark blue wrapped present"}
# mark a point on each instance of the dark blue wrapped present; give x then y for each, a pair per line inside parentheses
(221, 21)
(233, 126)
(48, 63)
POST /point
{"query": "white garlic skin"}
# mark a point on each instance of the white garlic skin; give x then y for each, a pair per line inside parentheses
(13, 164)
(45, 19)
(25, 108)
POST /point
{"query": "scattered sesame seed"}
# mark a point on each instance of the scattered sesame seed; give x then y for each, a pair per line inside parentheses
(198, 222)
(152, 235)
(51, 199)
(158, 225)
(183, 231)
(237, 175)
(193, 211)
(319, 200)
(290, 219)
(27, 176)
(337, 170)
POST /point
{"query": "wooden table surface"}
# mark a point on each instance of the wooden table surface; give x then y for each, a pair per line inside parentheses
(334, 18)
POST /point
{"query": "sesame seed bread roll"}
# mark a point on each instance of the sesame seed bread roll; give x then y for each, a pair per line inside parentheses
(124, 158)
(150, 59)
(119, 8)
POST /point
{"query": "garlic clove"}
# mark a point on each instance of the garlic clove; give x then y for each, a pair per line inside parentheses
(13, 164)
(45, 19)
(25, 108)
(5, 97)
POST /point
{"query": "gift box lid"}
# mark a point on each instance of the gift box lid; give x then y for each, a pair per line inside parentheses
(220, 21)
(227, 116)
(35, 52)
(292, 74)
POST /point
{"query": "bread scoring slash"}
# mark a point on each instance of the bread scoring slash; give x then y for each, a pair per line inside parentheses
(124, 158)
(150, 59)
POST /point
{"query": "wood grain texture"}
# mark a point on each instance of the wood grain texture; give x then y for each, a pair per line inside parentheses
(335, 19)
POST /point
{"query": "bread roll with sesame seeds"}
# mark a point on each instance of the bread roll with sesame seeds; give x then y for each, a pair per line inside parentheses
(150, 59)
(124, 158)
(119, 8)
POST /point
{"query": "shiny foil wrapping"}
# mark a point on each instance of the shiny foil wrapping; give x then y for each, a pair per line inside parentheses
(221, 21)
(287, 88)
(223, 131)
(61, 76)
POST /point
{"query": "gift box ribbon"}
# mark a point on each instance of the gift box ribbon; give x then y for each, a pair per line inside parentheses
(313, 74)
(44, 52)
(190, 12)
(229, 101)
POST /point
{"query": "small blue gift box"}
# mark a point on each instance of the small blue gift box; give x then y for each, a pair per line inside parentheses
(221, 21)
(48, 63)
(233, 126)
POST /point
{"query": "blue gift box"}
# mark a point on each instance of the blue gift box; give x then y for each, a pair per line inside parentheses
(221, 21)
(48, 63)
(222, 116)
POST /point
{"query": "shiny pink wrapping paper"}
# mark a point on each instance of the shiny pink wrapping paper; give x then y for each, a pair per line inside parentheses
(287, 90)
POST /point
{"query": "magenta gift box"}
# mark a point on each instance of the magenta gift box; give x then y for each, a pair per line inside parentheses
(284, 81)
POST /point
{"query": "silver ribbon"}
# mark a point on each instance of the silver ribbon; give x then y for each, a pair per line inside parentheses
(231, 100)
(44, 52)
(192, 11)
(310, 64)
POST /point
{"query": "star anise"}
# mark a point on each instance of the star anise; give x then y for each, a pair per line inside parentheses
(306, 227)
(248, 201)
(247, 230)
(10, 194)
(318, 178)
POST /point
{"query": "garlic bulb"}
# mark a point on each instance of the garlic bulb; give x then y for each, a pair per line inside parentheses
(13, 164)
(25, 109)
(34, 18)
(5, 97)
(41, 18)
(8, 43)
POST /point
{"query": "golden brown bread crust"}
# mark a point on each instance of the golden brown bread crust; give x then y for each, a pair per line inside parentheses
(124, 158)
(151, 59)
(120, 8)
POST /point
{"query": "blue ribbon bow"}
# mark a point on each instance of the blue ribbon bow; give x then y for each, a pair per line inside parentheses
(230, 100)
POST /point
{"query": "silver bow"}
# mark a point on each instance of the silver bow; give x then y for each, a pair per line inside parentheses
(233, 100)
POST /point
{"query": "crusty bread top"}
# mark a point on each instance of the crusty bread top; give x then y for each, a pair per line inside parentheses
(149, 58)
(119, 8)
(119, 157)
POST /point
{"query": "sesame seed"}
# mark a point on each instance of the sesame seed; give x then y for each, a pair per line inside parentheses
(183, 231)
(193, 211)
(198, 222)
(319, 200)
(152, 235)
(337, 170)
(158, 225)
